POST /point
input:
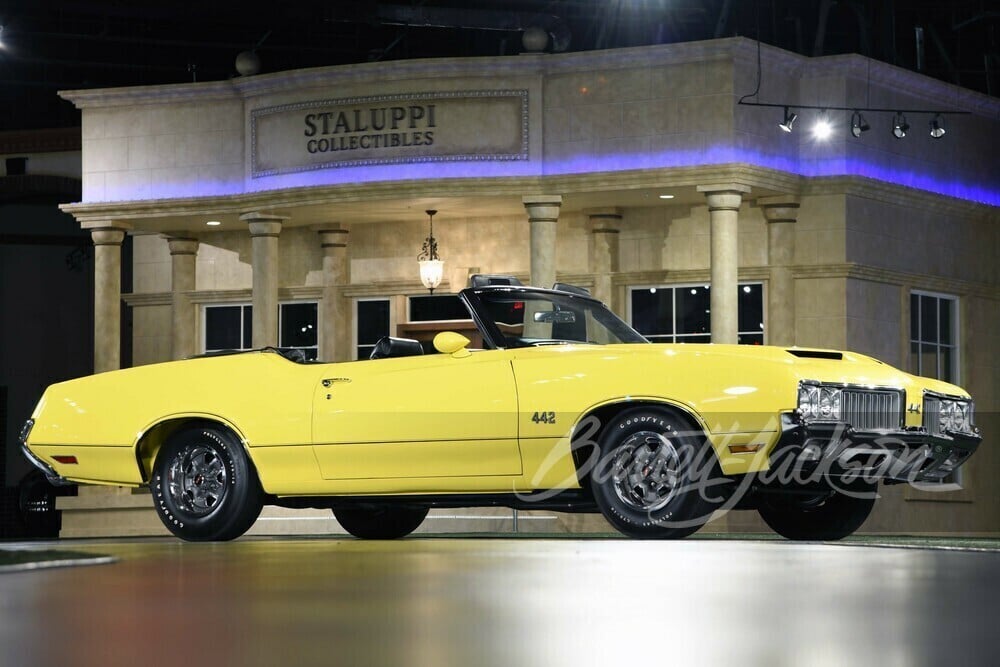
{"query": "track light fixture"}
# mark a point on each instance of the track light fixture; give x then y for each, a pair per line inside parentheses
(859, 124)
(937, 127)
(786, 124)
(899, 125)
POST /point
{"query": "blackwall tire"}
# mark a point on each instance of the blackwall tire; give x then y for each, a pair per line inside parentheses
(656, 478)
(824, 517)
(378, 521)
(204, 487)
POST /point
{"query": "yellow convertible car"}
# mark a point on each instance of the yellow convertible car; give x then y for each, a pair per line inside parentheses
(565, 407)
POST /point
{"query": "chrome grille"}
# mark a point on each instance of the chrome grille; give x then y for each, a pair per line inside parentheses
(872, 410)
(932, 415)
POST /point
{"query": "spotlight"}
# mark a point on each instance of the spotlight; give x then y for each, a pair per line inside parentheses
(786, 124)
(859, 124)
(822, 129)
(899, 125)
(937, 127)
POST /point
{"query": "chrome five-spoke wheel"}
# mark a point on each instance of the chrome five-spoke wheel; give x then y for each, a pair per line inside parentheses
(197, 480)
(646, 471)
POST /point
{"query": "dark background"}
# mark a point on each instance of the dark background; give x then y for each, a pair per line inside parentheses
(54, 45)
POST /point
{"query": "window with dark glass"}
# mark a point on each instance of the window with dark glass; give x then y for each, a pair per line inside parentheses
(682, 314)
(228, 327)
(934, 343)
(298, 327)
(437, 307)
(372, 323)
(934, 336)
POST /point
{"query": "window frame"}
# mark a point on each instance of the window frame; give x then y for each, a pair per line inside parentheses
(355, 319)
(678, 339)
(228, 304)
(319, 324)
(203, 343)
(956, 333)
(956, 481)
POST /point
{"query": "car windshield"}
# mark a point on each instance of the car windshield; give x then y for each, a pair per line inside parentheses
(516, 317)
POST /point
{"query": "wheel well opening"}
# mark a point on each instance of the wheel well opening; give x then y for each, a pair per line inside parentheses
(153, 439)
(585, 442)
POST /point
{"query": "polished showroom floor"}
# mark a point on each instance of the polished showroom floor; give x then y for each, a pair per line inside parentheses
(494, 601)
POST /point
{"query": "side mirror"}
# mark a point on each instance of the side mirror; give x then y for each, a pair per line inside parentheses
(449, 342)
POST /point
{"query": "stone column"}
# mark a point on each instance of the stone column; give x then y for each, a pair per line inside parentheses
(781, 214)
(183, 253)
(265, 228)
(335, 315)
(107, 297)
(543, 213)
(723, 207)
(604, 228)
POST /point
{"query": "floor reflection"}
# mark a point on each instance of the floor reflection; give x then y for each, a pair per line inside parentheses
(424, 601)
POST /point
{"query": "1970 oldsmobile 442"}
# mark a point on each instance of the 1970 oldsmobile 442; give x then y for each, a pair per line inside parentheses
(565, 408)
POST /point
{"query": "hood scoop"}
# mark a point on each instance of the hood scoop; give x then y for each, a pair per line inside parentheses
(816, 354)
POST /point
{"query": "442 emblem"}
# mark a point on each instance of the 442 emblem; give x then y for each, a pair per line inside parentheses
(544, 418)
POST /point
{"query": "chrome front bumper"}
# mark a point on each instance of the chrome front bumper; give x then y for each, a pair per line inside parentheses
(838, 450)
(50, 474)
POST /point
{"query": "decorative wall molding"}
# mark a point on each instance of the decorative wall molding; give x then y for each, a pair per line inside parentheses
(898, 278)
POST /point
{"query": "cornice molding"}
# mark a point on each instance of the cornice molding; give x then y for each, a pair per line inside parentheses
(667, 276)
(944, 284)
(899, 195)
(735, 49)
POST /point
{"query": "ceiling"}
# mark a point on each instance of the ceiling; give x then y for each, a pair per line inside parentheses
(51, 45)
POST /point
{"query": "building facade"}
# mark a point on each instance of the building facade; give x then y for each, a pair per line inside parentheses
(288, 209)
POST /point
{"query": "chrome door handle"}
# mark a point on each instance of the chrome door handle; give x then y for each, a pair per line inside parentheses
(327, 382)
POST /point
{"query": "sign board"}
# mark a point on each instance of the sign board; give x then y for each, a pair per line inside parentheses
(389, 129)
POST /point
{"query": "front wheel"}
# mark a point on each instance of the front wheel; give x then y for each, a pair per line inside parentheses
(377, 521)
(825, 515)
(204, 487)
(657, 478)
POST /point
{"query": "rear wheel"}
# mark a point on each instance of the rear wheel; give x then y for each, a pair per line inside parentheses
(656, 477)
(204, 487)
(825, 515)
(380, 521)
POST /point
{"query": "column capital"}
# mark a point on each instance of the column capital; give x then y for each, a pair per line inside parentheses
(263, 224)
(782, 208)
(333, 236)
(604, 220)
(260, 228)
(724, 196)
(107, 236)
(542, 208)
(181, 245)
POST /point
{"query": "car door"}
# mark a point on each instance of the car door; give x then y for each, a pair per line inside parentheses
(430, 416)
